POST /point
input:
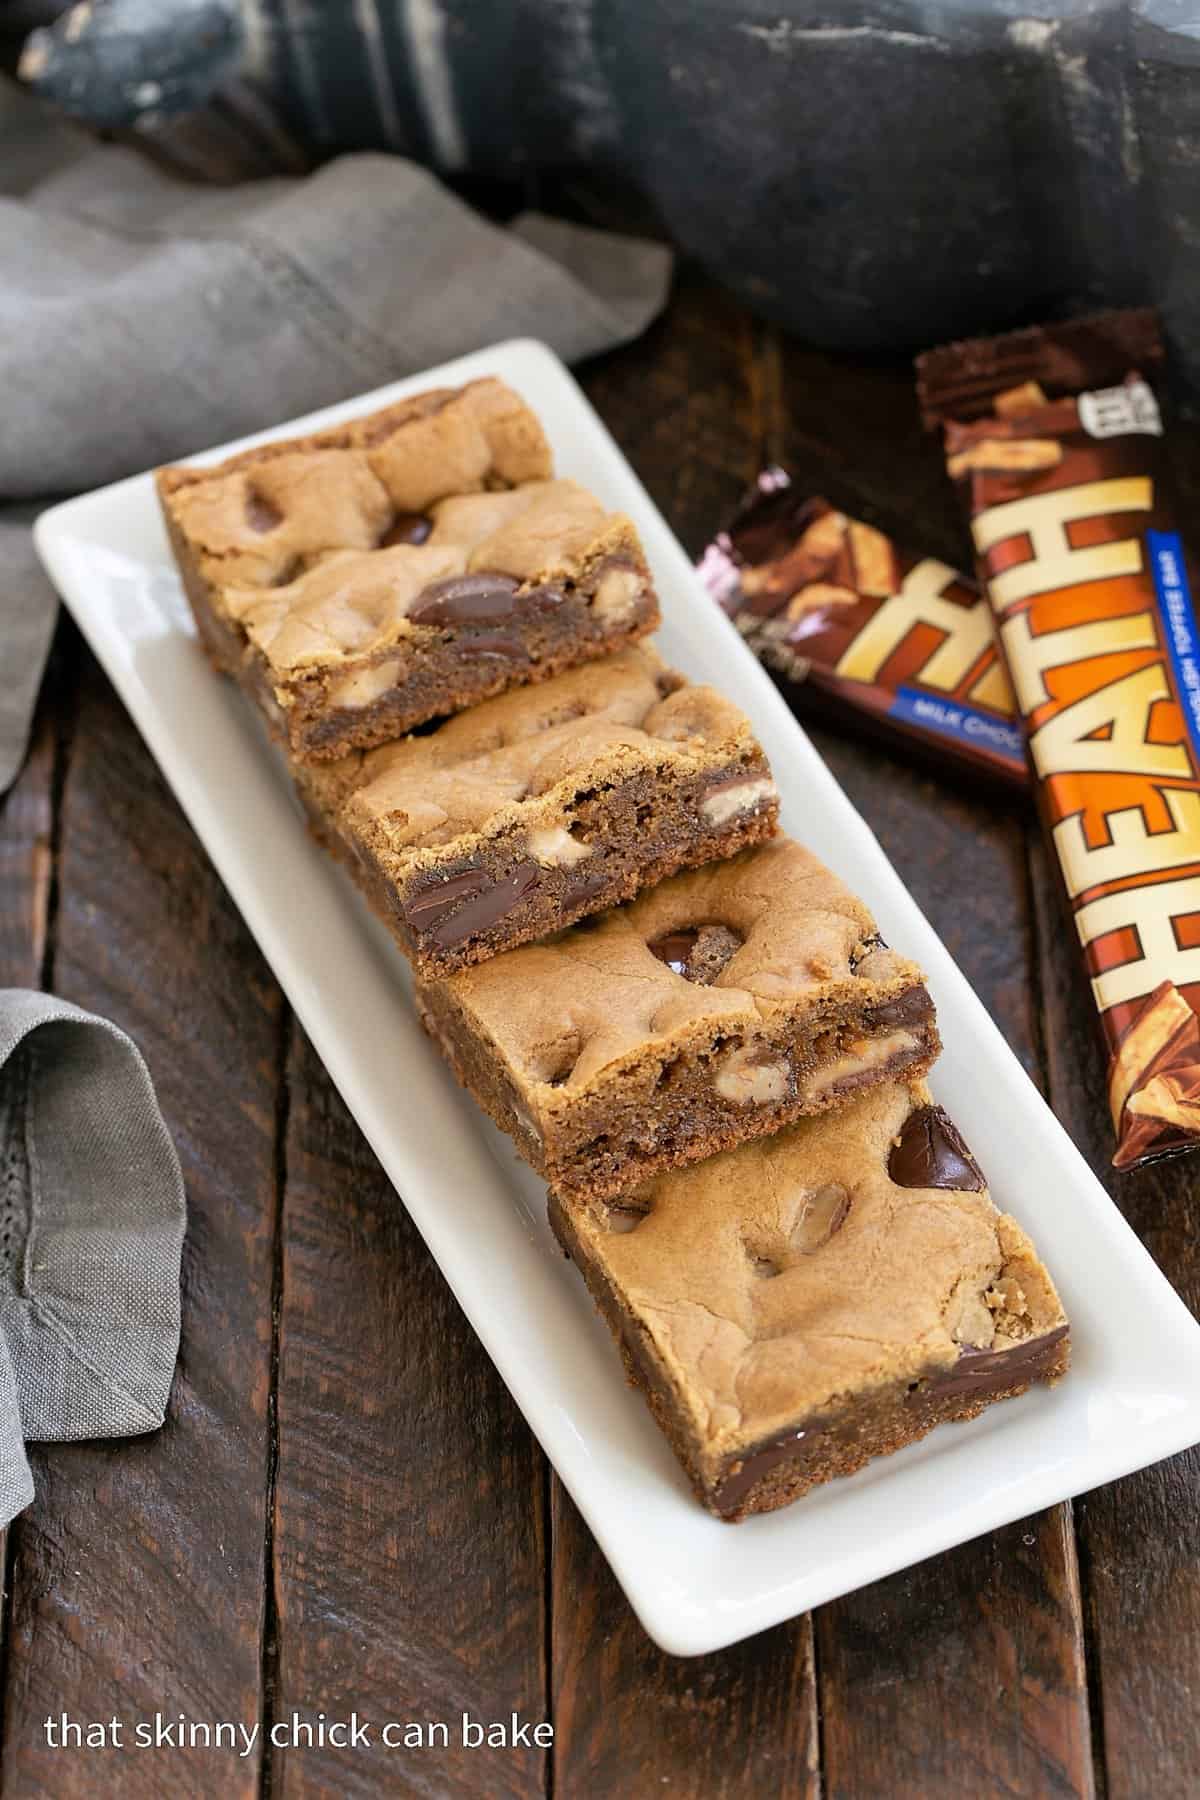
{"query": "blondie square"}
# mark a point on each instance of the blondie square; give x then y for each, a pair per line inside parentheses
(399, 568)
(715, 1007)
(513, 820)
(804, 1303)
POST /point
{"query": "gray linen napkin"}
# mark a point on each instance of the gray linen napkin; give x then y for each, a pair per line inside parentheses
(91, 1229)
(143, 318)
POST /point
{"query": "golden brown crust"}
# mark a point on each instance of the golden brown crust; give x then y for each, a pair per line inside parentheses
(557, 800)
(805, 940)
(318, 567)
(606, 1059)
(368, 430)
(258, 519)
(795, 1285)
(517, 762)
(351, 604)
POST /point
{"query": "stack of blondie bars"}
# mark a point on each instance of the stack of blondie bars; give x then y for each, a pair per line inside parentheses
(686, 1023)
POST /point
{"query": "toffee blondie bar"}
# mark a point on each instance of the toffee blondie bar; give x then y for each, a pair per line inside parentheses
(715, 1007)
(802, 1304)
(513, 820)
(399, 568)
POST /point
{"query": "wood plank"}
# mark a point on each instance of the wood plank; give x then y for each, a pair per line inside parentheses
(410, 1535)
(848, 428)
(1137, 1536)
(27, 846)
(138, 1574)
(964, 1674)
(630, 1719)
(684, 405)
(973, 1660)
(971, 1667)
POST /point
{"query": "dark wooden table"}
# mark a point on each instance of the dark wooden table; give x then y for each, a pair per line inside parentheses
(344, 1510)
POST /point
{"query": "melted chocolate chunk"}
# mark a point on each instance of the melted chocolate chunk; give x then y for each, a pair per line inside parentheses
(452, 910)
(747, 1470)
(261, 514)
(912, 1007)
(989, 1371)
(466, 600)
(698, 953)
(674, 949)
(586, 887)
(483, 598)
(978, 1373)
(505, 645)
(442, 896)
(407, 528)
(931, 1153)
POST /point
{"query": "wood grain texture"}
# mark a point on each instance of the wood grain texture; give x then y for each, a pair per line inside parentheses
(631, 1720)
(138, 1573)
(409, 1495)
(423, 1561)
(27, 883)
(684, 406)
(1137, 1537)
(962, 1675)
(982, 1648)
(969, 1670)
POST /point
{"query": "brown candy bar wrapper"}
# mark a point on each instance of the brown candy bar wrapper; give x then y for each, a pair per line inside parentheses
(1054, 439)
(848, 621)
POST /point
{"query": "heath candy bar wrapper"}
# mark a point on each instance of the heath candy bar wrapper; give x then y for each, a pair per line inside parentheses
(1054, 439)
(855, 626)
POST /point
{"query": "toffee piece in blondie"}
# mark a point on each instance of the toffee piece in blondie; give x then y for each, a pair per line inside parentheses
(802, 1304)
(716, 1007)
(513, 820)
(401, 567)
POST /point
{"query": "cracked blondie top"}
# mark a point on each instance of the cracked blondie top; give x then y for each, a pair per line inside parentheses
(516, 818)
(364, 580)
(804, 1302)
(253, 519)
(716, 1006)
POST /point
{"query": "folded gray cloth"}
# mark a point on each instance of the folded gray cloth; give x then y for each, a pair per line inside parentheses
(142, 318)
(91, 1229)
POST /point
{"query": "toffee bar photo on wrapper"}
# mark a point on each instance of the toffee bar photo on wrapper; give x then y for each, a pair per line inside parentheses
(855, 627)
(513, 820)
(401, 567)
(795, 1307)
(1054, 439)
(715, 1007)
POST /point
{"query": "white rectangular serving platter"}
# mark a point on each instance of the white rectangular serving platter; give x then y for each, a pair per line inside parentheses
(1133, 1395)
